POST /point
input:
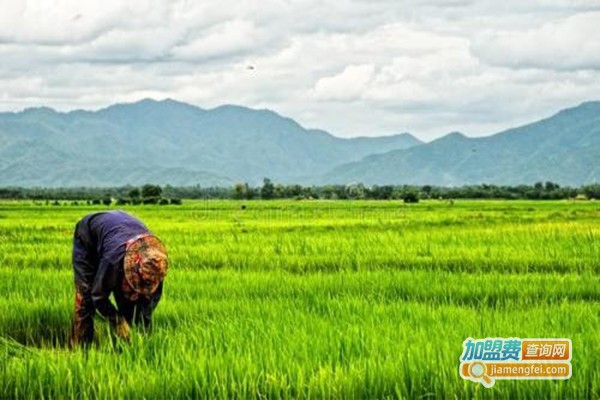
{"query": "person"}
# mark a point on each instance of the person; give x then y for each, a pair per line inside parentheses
(114, 252)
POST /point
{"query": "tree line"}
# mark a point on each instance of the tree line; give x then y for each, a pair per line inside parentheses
(146, 194)
(155, 194)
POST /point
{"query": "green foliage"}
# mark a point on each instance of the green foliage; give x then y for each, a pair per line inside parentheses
(591, 191)
(134, 193)
(267, 192)
(242, 191)
(150, 200)
(149, 190)
(411, 197)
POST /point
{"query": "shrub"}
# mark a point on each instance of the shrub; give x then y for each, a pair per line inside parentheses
(150, 200)
(411, 197)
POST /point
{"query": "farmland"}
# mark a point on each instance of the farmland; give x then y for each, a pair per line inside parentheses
(311, 299)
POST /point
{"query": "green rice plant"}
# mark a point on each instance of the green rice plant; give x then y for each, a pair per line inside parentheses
(311, 299)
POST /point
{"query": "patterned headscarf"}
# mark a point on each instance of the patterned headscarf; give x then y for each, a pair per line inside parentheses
(145, 264)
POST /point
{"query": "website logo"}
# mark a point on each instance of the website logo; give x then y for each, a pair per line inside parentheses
(486, 360)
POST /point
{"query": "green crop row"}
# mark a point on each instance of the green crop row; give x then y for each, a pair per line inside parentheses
(311, 300)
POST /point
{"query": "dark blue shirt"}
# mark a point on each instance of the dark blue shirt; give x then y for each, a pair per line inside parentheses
(98, 254)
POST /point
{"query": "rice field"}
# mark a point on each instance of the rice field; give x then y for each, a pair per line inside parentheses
(311, 299)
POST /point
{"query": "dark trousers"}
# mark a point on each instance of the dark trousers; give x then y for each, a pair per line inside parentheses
(135, 313)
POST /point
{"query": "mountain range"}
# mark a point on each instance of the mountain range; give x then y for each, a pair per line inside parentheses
(169, 142)
(564, 148)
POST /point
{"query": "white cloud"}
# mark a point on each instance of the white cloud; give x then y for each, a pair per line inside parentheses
(571, 43)
(58, 22)
(231, 38)
(350, 84)
(350, 66)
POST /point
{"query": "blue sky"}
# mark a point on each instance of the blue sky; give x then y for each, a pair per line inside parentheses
(350, 67)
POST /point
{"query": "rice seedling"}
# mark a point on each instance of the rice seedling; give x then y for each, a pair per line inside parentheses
(315, 299)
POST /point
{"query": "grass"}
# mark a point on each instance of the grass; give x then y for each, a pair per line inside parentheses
(311, 299)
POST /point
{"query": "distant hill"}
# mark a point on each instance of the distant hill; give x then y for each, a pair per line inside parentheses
(168, 142)
(564, 148)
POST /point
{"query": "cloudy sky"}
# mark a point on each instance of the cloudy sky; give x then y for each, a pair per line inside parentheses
(350, 67)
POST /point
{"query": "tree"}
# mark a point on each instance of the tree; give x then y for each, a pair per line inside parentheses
(411, 197)
(591, 191)
(267, 191)
(427, 190)
(150, 200)
(355, 191)
(240, 191)
(279, 191)
(149, 190)
(293, 191)
(382, 192)
(134, 193)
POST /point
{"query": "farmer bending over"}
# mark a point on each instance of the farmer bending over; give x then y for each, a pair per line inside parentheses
(113, 252)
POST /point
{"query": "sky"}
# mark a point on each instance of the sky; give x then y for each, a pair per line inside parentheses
(353, 68)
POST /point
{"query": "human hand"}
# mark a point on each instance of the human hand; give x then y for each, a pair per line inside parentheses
(122, 329)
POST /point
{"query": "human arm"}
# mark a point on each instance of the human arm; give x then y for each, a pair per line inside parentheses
(104, 284)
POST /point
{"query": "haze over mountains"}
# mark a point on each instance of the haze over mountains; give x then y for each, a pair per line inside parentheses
(168, 142)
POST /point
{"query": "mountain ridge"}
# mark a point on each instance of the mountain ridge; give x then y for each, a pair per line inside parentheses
(563, 148)
(44, 147)
(171, 142)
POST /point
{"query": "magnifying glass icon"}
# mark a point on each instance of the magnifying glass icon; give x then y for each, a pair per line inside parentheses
(478, 370)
